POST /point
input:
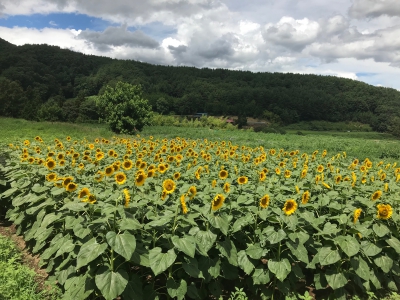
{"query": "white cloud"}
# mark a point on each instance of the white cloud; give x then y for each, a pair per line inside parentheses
(341, 38)
(374, 8)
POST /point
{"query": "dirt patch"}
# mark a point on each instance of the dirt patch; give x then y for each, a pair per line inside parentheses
(8, 229)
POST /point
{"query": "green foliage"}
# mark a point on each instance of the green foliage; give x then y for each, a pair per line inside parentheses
(146, 245)
(124, 109)
(203, 122)
(32, 74)
(50, 111)
(16, 280)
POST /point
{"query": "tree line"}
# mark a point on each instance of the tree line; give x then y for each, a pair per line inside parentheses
(42, 82)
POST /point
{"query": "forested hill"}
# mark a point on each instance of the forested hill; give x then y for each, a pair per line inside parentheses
(42, 82)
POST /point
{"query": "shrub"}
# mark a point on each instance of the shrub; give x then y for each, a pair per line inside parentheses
(124, 109)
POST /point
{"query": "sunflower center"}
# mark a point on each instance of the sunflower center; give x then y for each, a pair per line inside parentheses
(384, 212)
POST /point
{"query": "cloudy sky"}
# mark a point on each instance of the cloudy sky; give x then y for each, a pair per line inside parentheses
(357, 39)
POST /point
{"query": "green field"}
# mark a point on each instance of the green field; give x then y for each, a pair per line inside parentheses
(247, 222)
(375, 146)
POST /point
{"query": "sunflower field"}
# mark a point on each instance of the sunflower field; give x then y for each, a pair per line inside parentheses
(145, 218)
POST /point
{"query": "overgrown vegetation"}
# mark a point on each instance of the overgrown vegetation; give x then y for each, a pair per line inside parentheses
(40, 82)
(17, 282)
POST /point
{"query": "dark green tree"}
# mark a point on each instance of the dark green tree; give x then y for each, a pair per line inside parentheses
(123, 108)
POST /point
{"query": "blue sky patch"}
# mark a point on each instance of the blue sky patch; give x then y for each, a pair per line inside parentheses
(56, 20)
(365, 74)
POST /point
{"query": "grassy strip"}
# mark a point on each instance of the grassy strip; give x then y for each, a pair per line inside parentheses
(17, 281)
(375, 146)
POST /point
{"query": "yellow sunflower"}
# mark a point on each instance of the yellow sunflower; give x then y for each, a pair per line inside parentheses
(177, 175)
(162, 168)
(223, 174)
(120, 178)
(99, 176)
(287, 173)
(127, 164)
(338, 179)
(376, 195)
(262, 176)
(242, 180)
(305, 197)
(264, 201)
(384, 211)
(127, 197)
(51, 177)
(217, 202)
(227, 187)
(356, 215)
(99, 155)
(183, 204)
(83, 193)
(109, 170)
(326, 185)
(67, 180)
(214, 183)
(192, 192)
(72, 186)
(91, 199)
(320, 168)
(140, 179)
(289, 207)
(50, 164)
(303, 173)
(164, 195)
(169, 186)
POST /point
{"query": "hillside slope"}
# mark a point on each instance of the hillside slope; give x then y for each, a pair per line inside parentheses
(39, 78)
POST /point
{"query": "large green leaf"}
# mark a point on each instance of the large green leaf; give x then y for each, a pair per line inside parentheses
(133, 289)
(89, 252)
(241, 222)
(302, 237)
(384, 262)
(369, 248)
(78, 287)
(228, 249)
(187, 244)
(159, 261)
(205, 240)
(221, 222)
(244, 263)
(380, 229)
(328, 256)
(191, 267)
(360, 267)
(255, 251)
(394, 243)
(192, 292)
(111, 284)
(335, 280)
(298, 250)
(48, 219)
(124, 244)
(348, 244)
(67, 246)
(281, 268)
(273, 236)
(260, 276)
(129, 224)
(80, 231)
(176, 289)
